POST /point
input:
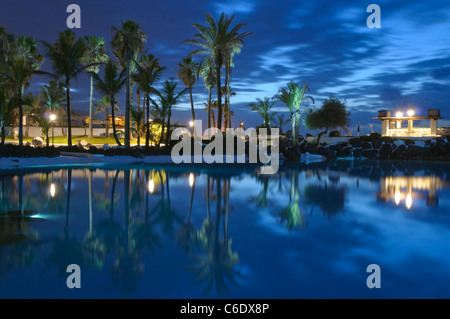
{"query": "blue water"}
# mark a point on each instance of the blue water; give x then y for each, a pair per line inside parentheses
(309, 231)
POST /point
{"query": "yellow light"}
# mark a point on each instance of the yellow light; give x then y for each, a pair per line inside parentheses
(408, 201)
(399, 114)
(397, 197)
(52, 117)
(52, 190)
(191, 180)
(410, 113)
(151, 186)
(191, 123)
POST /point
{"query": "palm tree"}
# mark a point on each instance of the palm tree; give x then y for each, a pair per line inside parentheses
(109, 86)
(128, 42)
(66, 55)
(53, 95)
(103, 106)
(207, 72)
(145, 78)
(263, 106)
(280, 121)
(17, 67)
(218, 43)
(166, 98)
(293, 98)
(210, 109)
(95, 53)
(188, 74)
(138, 118)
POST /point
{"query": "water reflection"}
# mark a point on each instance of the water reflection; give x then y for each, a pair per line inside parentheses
(117, 220)
(407, 189)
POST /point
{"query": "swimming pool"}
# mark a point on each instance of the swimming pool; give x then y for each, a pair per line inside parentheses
(167, 231)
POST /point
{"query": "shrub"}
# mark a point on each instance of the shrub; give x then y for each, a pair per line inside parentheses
(334, 133)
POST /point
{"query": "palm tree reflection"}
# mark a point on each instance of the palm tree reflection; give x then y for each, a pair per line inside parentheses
(217, 264)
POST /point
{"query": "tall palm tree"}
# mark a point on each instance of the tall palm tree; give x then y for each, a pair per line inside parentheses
(263, 107)
(147, 75)
(95, 53)
(188, 74)
(215, 40)
(128, 42)
(66, 55)
(207, 72)
(17, 66)
(53, 95)
(166, 99)
(109, 86)
(293, 98)
(103, 106)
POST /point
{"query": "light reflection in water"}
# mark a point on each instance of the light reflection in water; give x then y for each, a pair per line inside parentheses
(136, 213)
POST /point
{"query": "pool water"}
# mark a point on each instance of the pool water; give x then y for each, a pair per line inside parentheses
(309, 231)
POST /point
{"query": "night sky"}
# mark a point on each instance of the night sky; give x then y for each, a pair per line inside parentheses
(326, 43)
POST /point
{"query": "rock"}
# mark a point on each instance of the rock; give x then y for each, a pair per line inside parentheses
(292, 154)
(366, 146)
(86, 145)
(376, 144)
(346, 151)
(330, 154)
(355, 142)
(414, 150)
(37, 142)
(399, 152)
(370, 154)
(439, 141)
(445, 149)
(386, 150)
(321, 150)
(358, 153)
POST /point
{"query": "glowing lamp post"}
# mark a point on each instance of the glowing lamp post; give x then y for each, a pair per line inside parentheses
(52, 120)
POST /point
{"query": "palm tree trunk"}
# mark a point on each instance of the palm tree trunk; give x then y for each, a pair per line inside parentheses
(162, 132)
(106, 123)
(91, 102)
(213, 118)
(147, 134)
(3, 133)
(168, 127)
(20, 117)
(219, 95)
(192, 108)
(127, 108)
(69, 121)
(227, 84)
(209, 107)
(114, 121)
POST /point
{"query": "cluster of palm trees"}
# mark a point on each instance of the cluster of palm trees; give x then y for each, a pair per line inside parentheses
(293, 98)
(130, 66)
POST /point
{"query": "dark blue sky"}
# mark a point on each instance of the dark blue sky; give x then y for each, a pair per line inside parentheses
(405, 63)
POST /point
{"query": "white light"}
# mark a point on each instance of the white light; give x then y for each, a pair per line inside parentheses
(410, 113)
(397, 197)
(191, 180)
(52, 190)
(399, 114)
(151, 186)
(191, 123)
(52, 117)
(408, 201)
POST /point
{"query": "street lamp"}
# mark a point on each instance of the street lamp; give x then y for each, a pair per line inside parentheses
(52, 120)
